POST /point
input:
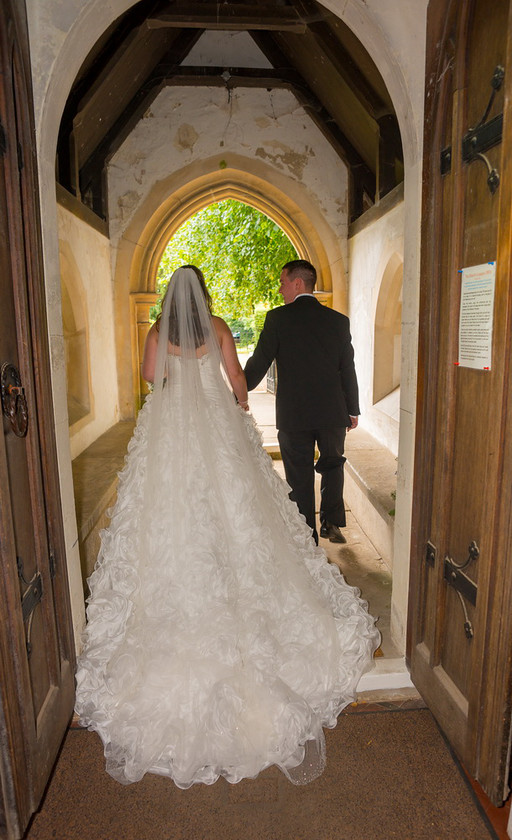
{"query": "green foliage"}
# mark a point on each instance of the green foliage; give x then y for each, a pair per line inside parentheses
(244, 327)
(240, 252)
(259, 319)
(154, 311)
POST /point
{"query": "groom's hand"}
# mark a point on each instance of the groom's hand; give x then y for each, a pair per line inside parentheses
(353, 423)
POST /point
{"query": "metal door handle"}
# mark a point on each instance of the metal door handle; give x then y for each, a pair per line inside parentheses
(14, 401)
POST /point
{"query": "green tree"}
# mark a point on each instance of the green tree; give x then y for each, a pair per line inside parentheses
(240, 252)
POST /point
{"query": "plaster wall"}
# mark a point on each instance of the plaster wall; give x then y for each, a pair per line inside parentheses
(370, 252)
(87, 254)
(186, 125)
(218, 48)
(61, 35)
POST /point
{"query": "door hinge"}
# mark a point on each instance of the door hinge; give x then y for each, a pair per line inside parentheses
(14, 401)
(456, 578)
(430, 554)
(29, 600)
(463, 585)
(483, 136)
(32, 596)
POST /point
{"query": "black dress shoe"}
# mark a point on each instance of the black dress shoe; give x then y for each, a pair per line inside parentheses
(332, 533)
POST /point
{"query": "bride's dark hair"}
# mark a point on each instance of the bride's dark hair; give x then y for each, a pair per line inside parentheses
(174, 332)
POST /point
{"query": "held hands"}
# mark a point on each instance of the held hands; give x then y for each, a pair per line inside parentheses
(242, 403)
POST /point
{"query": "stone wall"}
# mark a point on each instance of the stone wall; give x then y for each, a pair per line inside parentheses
(88, 327)
(376, 253)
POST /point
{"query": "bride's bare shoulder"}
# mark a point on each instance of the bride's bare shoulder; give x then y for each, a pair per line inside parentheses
(221, 328)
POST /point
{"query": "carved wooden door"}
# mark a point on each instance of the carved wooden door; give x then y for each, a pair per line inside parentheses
(460, 635)
(36, 646)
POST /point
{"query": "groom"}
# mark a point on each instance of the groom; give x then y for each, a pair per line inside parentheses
(317, 393)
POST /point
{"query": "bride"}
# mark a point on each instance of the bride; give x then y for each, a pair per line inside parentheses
(219, 639)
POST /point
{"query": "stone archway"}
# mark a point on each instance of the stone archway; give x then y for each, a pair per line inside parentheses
(76, 340)
(388, 331)
(168, 206)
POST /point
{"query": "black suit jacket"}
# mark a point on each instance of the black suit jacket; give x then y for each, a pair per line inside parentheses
(316, 378)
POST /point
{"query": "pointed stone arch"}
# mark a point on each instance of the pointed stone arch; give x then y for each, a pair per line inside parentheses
(388, 330)
(175, 200)
(76, 340)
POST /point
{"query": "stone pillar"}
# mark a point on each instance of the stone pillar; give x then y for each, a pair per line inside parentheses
(140, 305)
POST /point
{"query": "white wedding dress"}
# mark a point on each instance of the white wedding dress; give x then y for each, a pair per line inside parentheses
(219, 639)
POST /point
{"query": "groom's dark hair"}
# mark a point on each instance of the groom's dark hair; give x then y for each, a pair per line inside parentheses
(302, 269)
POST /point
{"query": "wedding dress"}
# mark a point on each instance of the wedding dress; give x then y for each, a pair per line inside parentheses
(219, 639)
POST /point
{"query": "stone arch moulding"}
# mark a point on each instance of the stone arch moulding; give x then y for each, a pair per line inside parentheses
(171, 202)
(387, 330)
(80, 398)
(169, 205)
(197, 201)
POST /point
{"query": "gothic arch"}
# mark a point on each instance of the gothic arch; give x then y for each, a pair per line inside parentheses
(388, 330)
(168, 206)
(172, 217)
(76, 342)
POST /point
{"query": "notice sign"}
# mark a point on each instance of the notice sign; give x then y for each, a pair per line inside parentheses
(476, 316)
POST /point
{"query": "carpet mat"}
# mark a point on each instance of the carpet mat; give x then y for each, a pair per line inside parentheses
(389, 775)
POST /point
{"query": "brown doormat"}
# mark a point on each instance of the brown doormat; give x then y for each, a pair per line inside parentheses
(389, 775)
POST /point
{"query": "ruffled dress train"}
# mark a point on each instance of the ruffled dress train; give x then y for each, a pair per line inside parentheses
(219, 639)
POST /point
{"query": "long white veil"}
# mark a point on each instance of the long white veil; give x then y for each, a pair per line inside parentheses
(191, 391)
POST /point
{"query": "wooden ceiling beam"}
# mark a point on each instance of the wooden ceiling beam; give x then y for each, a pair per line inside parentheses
(118, 133)
(231, 16)
(318, 113)
(165, 75)
(116, 93)
(139, 103)
(341, 59)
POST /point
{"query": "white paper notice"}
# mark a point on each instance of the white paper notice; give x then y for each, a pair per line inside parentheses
(476, 316)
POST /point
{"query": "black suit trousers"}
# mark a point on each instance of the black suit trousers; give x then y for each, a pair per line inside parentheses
(298, 453)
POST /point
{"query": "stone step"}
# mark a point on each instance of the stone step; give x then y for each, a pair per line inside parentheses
(370, 488)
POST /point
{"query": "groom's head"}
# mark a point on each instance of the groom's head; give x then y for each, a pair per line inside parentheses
(298, 277)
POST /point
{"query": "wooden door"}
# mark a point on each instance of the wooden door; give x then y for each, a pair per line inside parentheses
(36, 646)
(460, 634)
